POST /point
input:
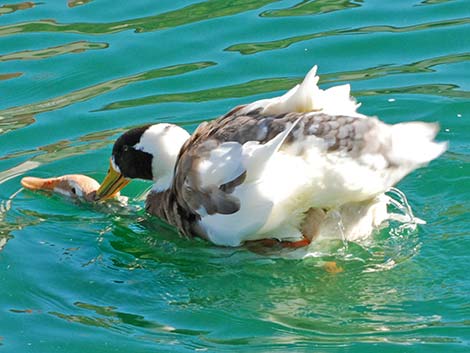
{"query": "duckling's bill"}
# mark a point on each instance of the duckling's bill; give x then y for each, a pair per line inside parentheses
(112, 184)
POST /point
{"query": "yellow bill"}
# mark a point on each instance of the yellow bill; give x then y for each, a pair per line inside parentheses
(111, 185)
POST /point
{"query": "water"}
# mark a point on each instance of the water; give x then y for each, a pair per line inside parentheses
(77, 277)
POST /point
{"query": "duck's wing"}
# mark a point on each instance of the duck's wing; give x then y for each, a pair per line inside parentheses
(223, 155)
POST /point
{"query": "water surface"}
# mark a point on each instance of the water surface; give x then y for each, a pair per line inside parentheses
(74, 277)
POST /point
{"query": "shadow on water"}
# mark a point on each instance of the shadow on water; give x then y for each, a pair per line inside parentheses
(201, 11)
(253, 48)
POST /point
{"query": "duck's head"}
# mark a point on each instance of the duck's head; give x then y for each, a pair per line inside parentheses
(148, 152)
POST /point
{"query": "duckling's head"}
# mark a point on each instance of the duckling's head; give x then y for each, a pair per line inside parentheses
(74, 186)
(148, 152)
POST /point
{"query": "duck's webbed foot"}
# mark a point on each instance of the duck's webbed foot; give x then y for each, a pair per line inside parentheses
(310, 228)
(296, 244)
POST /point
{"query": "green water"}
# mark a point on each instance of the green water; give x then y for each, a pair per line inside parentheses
(83, 278)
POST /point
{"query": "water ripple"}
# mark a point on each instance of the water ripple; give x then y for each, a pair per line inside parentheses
(121, 278)
(10, 76)
(11, 8)
(19, 117)
(434, 2)
(75, 47)
(306, 8)
(253, 48)
(201, 11)
(58, 150)
(75, 3)
(442, 90)
(266, 85)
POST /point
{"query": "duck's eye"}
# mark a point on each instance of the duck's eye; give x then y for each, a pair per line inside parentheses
(74, 191)
(125, 148)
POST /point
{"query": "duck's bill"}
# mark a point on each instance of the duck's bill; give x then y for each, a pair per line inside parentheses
(111, 185)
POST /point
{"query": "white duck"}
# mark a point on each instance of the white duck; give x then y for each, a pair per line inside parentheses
(273, 169)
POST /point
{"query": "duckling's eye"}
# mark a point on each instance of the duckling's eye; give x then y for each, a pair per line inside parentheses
(74, 191)
(125, 148)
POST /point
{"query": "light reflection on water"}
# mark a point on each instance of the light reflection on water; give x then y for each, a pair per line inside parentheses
(81, 277)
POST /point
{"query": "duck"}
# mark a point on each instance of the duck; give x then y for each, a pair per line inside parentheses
(277, 169)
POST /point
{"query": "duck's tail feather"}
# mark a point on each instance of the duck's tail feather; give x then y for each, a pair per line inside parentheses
(413, 144)
(308, 97)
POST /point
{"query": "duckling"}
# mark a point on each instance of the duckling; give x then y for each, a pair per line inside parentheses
(74, 186)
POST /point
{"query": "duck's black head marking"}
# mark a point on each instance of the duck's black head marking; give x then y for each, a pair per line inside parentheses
(131, 161)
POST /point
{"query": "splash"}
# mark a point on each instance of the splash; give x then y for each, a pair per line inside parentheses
(377, 234)
(401, 209)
